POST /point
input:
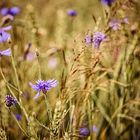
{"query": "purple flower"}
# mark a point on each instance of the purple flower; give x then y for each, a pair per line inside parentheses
(107, 2)
(88, 39)
(95, 39)
(14, 11)
(4, 36)
(5, 52)
(72, 13)
(84, 131)
(10, 11)
(114, 24)
(43, 86)
(10, 101)
(95, 129)
(98, 37)
(4, 11)
(18, 117)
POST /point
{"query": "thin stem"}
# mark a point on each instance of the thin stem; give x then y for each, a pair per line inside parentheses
(48, 108)
(16, 75)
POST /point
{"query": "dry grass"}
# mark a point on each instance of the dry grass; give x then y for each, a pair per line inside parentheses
(97, 87)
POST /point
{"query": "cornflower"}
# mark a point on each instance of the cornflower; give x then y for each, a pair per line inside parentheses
(10, 11)
(72, 13)
(84, 131)
(44, 86)
(107, 2)
(4, 36)
(10, 101)
(95, 39)
(18, 117)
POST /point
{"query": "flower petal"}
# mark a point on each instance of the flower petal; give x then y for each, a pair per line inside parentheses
(37, 95)
(33, 86)
(6, 52)
(7, 28)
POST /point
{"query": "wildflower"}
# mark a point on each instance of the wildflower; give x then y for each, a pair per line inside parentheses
(4, 11)
(88, 39)
(14, 11)
(98, 37)
(10, 11)
(72, 13)
(95, 129)
(4, 36)
(43, 86)
(95, 39)
(18, 117)
(107, 2)
(84, 131)
(114, 24)
(5, 52)
(10, 101)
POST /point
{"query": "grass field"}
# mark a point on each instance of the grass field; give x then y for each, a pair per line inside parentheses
(69, 70)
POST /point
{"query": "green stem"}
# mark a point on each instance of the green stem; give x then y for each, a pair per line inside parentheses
(48, 108)
(16, 75)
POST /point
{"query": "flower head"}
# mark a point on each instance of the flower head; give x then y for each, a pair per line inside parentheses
(14, 11)
(4, 36)
(43, 86)
(18, 117)
(72, 13)
(5, 52)
(107, 2)
(10, 101)
(98, 37)
(95, 39)
(114, 24)
(10, 11)
(95, 129)
(84, 131)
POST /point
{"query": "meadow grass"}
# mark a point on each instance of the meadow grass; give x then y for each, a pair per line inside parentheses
(92, 56)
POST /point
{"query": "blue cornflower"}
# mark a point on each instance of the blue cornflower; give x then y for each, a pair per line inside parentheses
(10, 101)
(43, 86)
(10, 11)
(5, 52)
(72, 13)
(4, 36)
(95, 39)
(18, 117)
(14, 11)
(98, 37)
(84, 131)
(107, 2)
